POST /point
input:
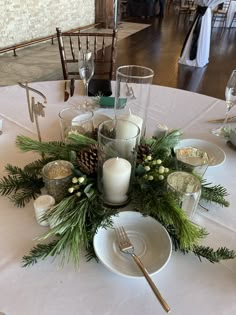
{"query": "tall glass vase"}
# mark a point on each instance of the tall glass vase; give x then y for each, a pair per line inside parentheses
(132, 94)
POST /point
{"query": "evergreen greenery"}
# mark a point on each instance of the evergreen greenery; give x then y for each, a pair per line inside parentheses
(77, 217)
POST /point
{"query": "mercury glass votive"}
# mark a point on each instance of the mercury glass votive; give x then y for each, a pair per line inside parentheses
(192, 160)
(57, 176)
(117, 152)
(187, 189)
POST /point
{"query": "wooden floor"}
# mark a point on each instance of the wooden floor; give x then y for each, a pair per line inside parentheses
(159, 47)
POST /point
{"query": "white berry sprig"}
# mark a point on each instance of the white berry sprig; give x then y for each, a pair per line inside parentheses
(154, 170)
(77, 183)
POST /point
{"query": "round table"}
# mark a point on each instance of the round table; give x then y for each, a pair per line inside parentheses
(188, 285)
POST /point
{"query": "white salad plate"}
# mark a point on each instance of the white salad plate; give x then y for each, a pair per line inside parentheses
(151, 242)
(215, 154)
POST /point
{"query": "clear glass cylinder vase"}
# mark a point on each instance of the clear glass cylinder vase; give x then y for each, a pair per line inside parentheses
(133, 93)
(117, 152)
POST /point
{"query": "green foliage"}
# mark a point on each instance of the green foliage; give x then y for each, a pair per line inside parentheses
(162, 147)
(214, 193)
(77, 218)
(40, 251)
(76, 221)
(22, 185)
(163, 206)
(213, 256)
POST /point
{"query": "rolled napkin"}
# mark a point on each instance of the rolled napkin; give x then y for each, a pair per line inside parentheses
(99, 87)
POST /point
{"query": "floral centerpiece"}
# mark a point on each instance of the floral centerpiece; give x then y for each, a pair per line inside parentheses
(82, 211)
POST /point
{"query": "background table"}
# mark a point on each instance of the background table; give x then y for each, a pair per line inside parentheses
(189, 286)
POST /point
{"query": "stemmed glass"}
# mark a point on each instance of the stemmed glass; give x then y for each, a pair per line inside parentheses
(86, 68)
(230, 97)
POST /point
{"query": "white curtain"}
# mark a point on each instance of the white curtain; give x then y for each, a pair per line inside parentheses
(204, 37)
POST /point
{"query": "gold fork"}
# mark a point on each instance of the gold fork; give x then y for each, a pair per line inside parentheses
(126, 246)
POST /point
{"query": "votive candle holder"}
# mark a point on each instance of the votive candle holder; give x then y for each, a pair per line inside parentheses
(187, 189)
(57, 176)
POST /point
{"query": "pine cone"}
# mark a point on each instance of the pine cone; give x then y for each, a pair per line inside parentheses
(87, 160)
(143, 150)
(94, 134)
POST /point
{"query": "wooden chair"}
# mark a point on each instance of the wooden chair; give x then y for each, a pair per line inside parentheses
(233, 21)
(185, 8)
(220, 14)
(103, 45)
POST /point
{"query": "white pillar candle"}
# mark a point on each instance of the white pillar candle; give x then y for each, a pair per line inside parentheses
(126, 132)
(116, 179)
(41, 205)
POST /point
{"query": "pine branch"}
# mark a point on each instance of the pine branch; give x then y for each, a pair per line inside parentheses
(39, 252)
(23, 184)
(221, 253)
(55, 150)
(186, 233)
(22, 197)
(80, 140)
(9, 184)
(36, 166)
(215, 194)
(161, 147)
(76, 224)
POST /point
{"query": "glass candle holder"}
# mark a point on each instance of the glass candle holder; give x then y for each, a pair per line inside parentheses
(132, 94)
(73, 120)
(192, 160)
(117, 152)
(187, 189)
(57, 176)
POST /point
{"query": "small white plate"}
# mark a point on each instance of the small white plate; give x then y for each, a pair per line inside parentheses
(215, 153)
(151, 242)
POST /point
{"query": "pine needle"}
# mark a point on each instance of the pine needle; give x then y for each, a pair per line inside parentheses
(39, 252)
(214, 193)
(214, 256)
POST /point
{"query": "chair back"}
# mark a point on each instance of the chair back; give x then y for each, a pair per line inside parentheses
(102, 43)
(223, 7)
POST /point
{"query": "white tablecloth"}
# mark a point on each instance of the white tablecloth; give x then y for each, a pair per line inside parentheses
(189, 286)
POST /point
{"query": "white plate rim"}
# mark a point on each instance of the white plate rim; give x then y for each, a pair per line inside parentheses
(196, 143)
(116, 218)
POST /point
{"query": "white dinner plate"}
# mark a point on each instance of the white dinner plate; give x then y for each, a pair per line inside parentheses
(151, 241)
(215, 154)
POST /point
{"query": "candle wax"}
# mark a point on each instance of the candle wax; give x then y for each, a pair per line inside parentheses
(41, 205)
(128, 131)
(116, 179)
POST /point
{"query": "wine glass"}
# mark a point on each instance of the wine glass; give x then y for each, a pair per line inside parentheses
(230, 97)
(86, 68)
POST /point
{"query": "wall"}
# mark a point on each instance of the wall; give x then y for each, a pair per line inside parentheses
(23, 20)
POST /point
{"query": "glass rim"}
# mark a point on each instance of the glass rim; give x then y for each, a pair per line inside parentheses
(151, 75)
(53, 162)
(197, 181)
(75, 110)
(119, 139)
